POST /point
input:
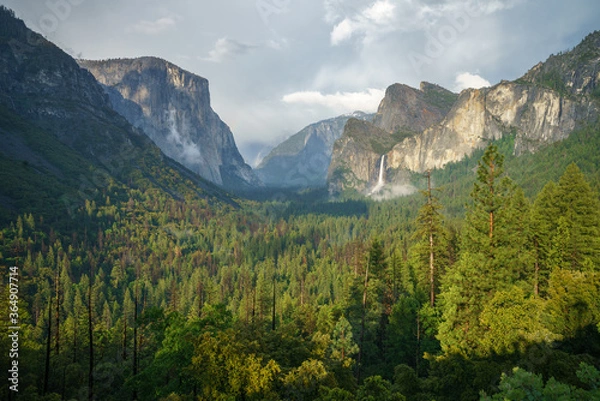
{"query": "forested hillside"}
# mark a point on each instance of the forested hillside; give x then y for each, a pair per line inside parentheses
(158, 298)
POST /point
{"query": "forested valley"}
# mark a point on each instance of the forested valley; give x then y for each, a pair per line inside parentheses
(151, 297)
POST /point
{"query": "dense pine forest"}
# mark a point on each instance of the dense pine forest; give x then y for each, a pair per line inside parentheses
(437, 296)
(127, 276)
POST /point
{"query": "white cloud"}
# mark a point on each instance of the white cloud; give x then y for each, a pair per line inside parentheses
(370, 22)
(384, 16)
(279, 43)
(227, 48)
(467, 80)
(340, 102)
(380, 12)
(342, 31)
(154, 27)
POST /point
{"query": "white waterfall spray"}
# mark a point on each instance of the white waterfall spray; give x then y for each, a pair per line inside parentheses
(381, 180)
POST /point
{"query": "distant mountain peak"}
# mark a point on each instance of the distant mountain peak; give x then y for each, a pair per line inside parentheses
(303, 159)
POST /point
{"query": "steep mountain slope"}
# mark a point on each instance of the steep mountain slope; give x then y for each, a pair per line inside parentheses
(62, 143)
(545, 106)
(172, 106)
(403, 113)
(303, 159)
(575, 72)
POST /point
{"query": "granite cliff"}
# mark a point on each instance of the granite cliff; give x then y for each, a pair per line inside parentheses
(172, 106)
(544, 106)
(403, 113)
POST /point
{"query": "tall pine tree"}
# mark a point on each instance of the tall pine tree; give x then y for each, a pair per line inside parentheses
(493, 256)
(430, 253)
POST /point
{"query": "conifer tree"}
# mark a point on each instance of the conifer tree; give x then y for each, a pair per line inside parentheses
(493, 255)
(543, 219)
(577, 241)
(431, 249)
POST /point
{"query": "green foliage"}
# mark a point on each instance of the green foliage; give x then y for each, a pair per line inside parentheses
(441, 98)
(514, 321)
(524, 385)
(304, 382)
(430, 256)
(577, 293)
(494, 254)
(578, 225)
(223, 367)
(343, 346)
(335, 394)
(400, 136)
(375, 388)
(553, 80)
(266, 300)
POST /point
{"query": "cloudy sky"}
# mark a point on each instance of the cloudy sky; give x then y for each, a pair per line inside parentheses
(275, 66)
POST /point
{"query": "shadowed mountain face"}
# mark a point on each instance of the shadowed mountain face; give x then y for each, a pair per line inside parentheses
(303, 159)
(429, 128)
(63, 145)
(172, 106)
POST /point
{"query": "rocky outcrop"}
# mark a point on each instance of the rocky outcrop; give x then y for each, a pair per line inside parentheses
(576, 72)
(172, 106)
(304, 158)
(405, 109)
(45, 86)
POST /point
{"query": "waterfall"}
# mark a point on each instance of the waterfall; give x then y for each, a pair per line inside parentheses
(381, 180)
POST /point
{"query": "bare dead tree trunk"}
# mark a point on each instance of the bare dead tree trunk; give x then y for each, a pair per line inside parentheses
(431, 255)
(135, 338)
(362, 325)
(273, 312)
(57, 315)
(48, 347)
(91, 338)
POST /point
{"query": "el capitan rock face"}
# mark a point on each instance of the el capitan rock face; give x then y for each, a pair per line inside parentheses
(545, 106)
(172, 106)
